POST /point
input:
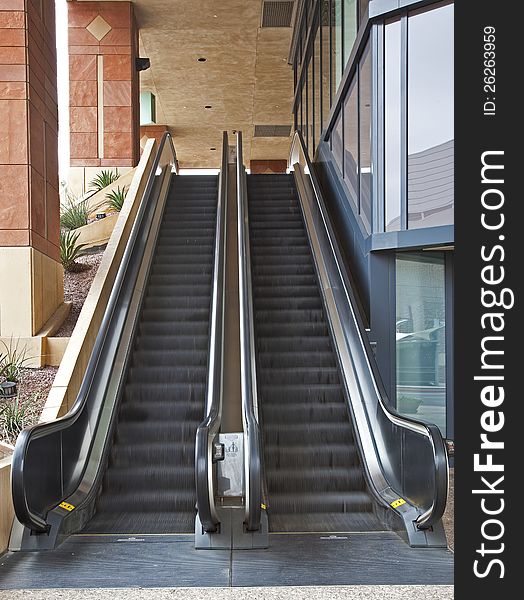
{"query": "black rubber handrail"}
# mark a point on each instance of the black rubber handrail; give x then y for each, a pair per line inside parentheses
(208, 429)
(253, 444)
(64, 477)
(441, 469)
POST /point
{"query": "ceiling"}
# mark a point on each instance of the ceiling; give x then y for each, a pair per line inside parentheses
(246, 78)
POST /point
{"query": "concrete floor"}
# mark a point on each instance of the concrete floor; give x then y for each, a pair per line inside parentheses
(357, 592)
(364, 592)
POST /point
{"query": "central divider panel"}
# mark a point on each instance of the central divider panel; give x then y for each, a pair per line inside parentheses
(149, 485)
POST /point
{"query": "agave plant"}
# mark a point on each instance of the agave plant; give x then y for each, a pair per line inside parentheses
(103, 179)
(14, 417)
(70, 250)
(74, 213)
(12, 361)
(115, 198)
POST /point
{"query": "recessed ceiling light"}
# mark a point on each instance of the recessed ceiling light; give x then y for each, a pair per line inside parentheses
(208, 106)
(216, 16)
(201, 59)
(184, 107)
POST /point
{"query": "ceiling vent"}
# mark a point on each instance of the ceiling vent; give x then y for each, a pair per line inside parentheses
(277, 14)
(272, 130)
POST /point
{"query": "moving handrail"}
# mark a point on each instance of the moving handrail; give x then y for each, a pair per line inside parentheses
(402, 455)
(252, 446)
(209, 428)
(50, 459)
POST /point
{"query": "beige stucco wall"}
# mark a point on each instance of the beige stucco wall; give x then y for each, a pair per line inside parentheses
(32, 289)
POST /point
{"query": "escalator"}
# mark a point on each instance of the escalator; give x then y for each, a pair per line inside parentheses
(122, 460)
(149, 485)
(314, 474)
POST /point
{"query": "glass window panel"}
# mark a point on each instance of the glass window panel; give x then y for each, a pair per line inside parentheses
(430, 118)
(310, 87)
(421, 336)
(392, 115)
(304, 112)
(363, 6)
(336, 141)
(351, 141)
(365, 137)
(299, 113)
(318, 88)
(350, 27)
(326, 96)
(336, 45)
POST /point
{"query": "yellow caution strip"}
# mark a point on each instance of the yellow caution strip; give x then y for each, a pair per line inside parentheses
(398, 502)
(66, 506)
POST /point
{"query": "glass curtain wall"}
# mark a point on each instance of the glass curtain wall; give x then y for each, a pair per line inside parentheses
(365, 170)
(421, 336)
(419, 119)
(392, 125)
(317, 89)
(430, 117)
(336, 45)
(326, 69)
(350, 27)
(351, 142)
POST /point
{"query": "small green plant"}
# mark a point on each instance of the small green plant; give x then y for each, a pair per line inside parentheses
(70, 250)
(12, 361)
(103, 179)
(115, 198)
(74, 213)
(14, 416)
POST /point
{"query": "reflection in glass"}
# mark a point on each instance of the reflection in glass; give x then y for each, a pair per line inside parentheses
(420, 336)
(336, 141)
(318, 87)
(363, 6)
(310, 87)
(350, 27)
(326, 96)
(430, 118)
(304, 112)
(336, 45)
(365, 137)
(392, 142)
(351, 141)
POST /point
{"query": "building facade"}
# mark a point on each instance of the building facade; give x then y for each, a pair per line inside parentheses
(374, 106)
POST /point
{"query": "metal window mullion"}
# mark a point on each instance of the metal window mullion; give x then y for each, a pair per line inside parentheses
(404, 123)
(449, 347)
(377, 128)
(359, 203)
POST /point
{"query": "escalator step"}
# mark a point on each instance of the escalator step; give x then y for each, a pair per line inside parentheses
(163, 375)
(149, 486)
(145, 454)
(304, 458)
(170, 358)
(168, 392)
(314, 475)
(302, 433)
(321, 502)
(172, 342)
(156, 410)
(156, 431)
(336, 479)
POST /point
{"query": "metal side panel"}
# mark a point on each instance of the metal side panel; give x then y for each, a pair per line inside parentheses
(83, 476)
